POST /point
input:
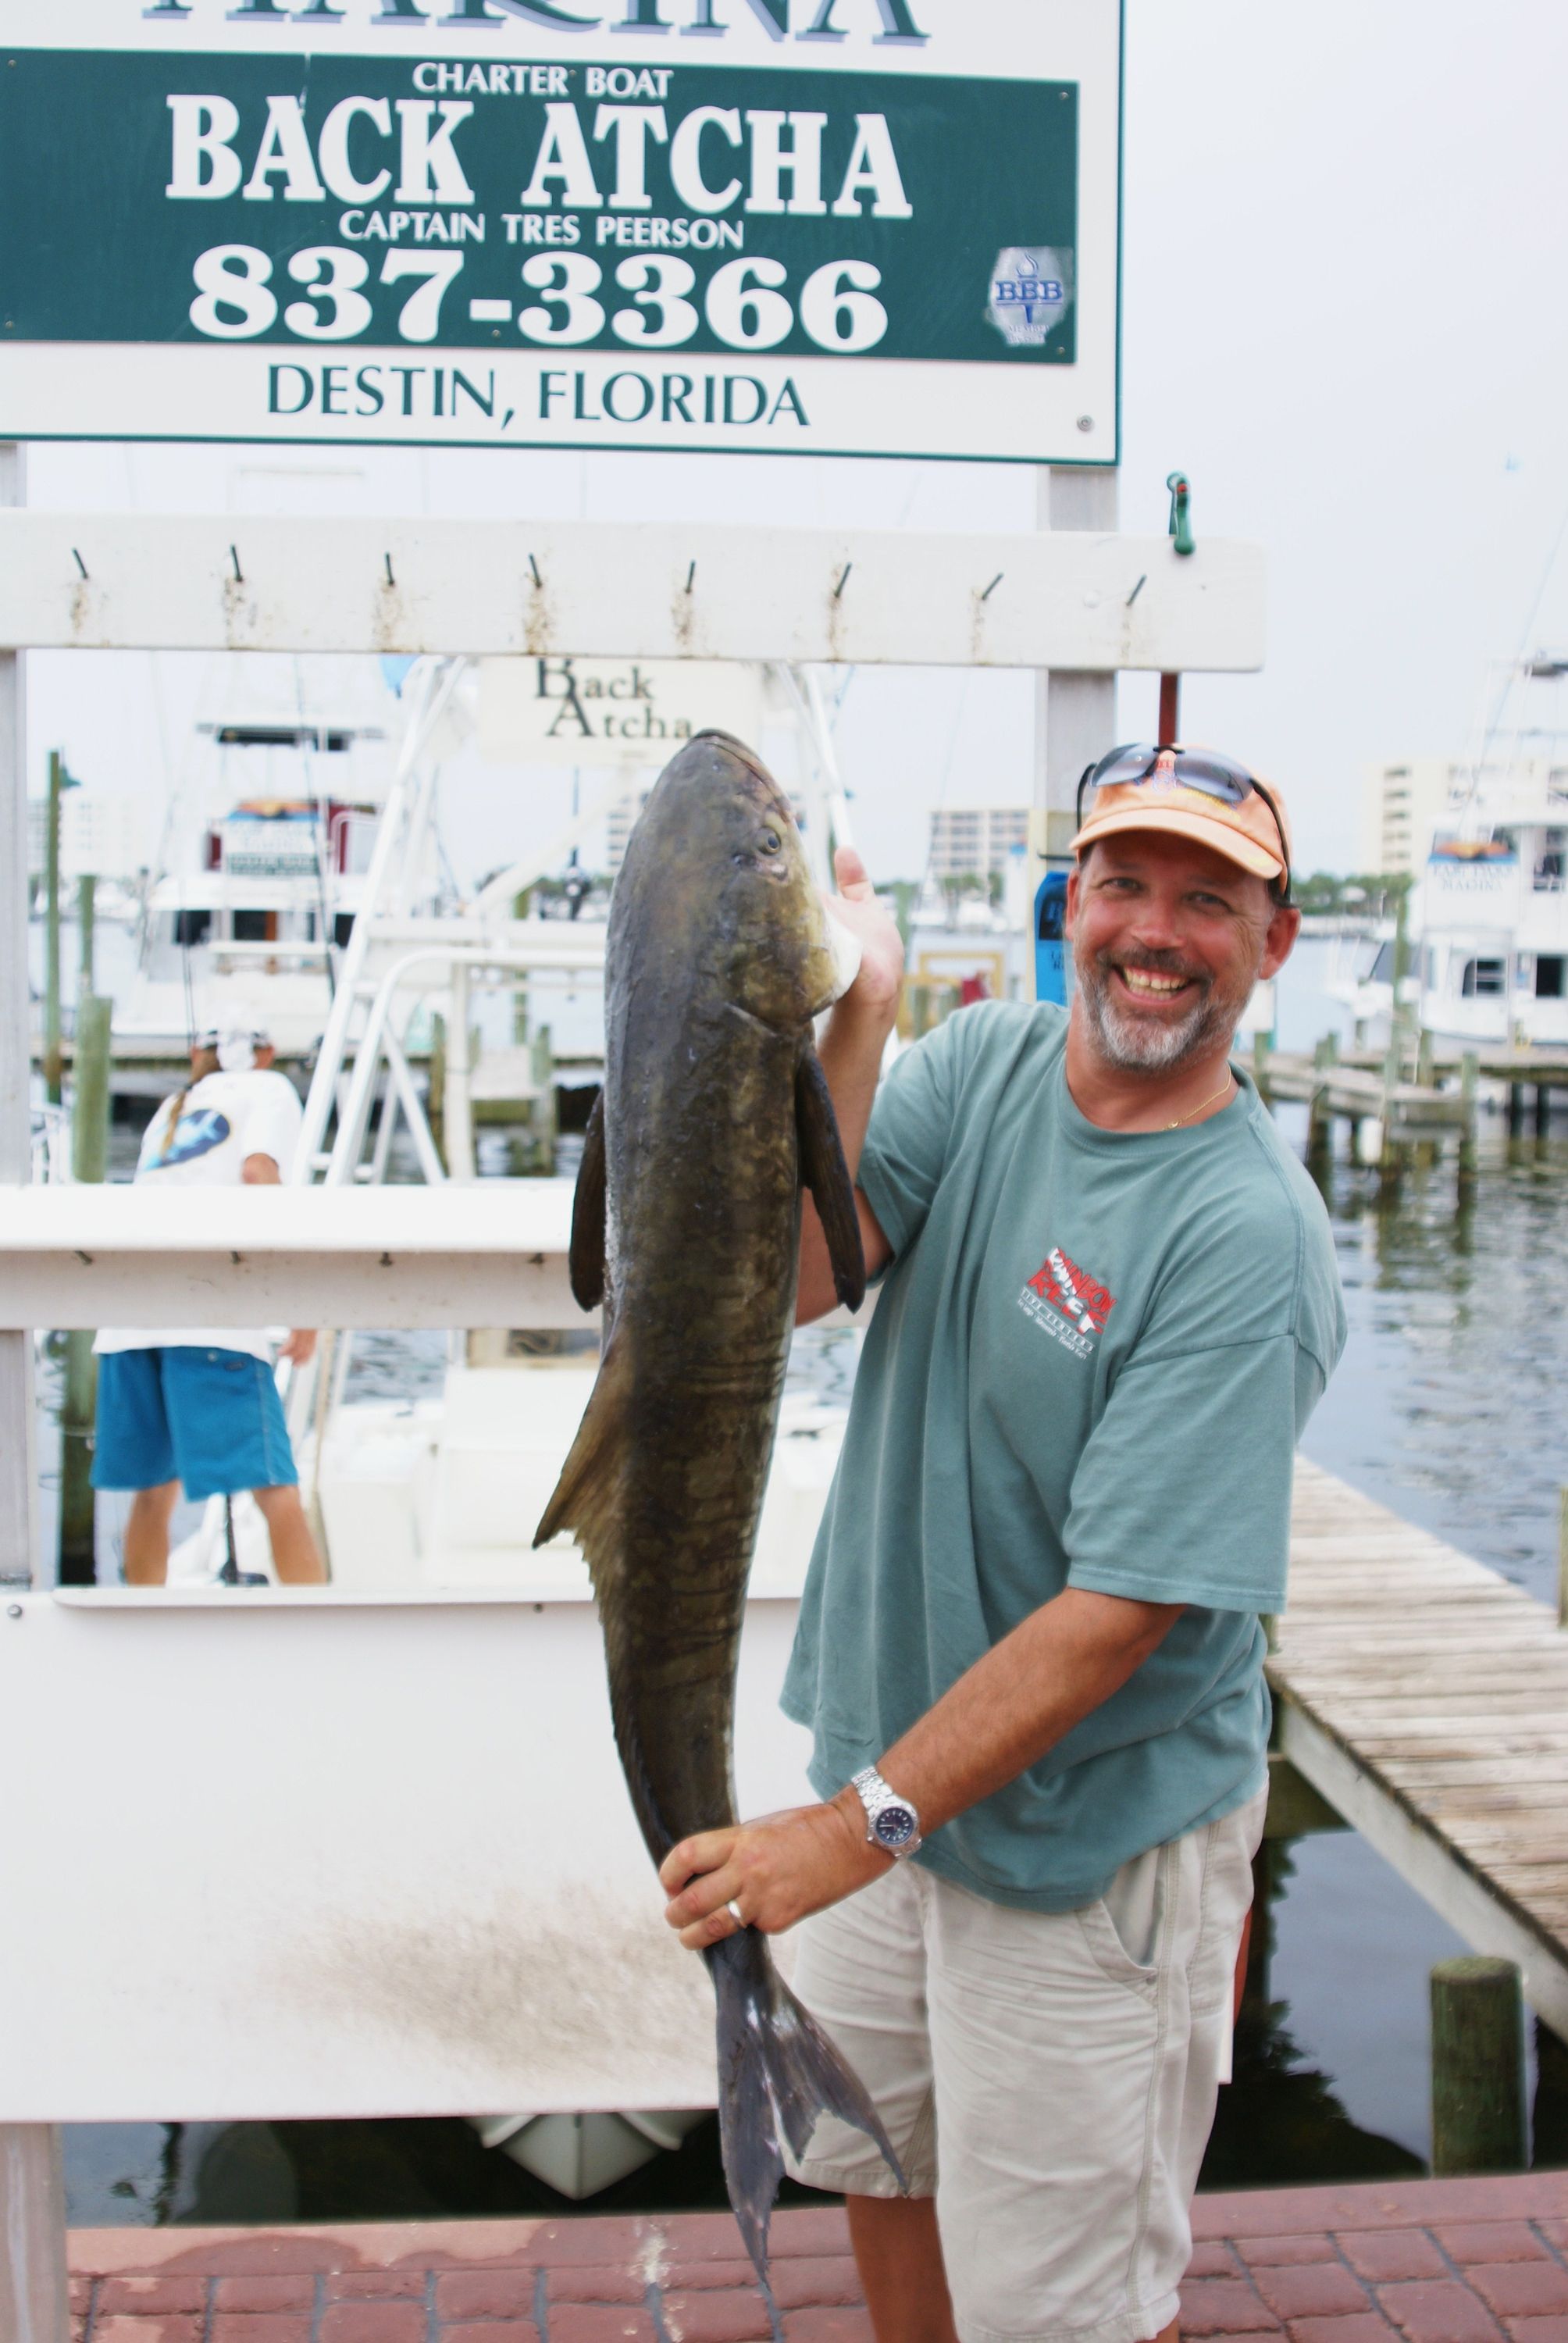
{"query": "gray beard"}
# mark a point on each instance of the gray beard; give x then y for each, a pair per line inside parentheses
(1137, 1045)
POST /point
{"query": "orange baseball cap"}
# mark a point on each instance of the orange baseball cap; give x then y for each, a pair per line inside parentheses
(1189, 792)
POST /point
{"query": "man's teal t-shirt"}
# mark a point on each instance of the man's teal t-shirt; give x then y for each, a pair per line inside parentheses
(1089, 1366)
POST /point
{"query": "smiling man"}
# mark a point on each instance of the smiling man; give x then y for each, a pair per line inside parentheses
(1029, 1651)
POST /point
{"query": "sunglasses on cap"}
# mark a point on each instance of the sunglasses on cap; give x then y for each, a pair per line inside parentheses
(1203, 769)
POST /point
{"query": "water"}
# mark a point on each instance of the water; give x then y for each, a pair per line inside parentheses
(1449, 1407)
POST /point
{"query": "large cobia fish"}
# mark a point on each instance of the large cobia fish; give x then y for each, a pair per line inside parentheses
(687, 1224)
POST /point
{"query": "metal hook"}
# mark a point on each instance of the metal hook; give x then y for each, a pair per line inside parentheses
(238, 572)
(691, 575)
(1180, 521)
(78, 560)
(534, 566)
(390, 579)
(995, 582)
(843, 581)
(1137, 590)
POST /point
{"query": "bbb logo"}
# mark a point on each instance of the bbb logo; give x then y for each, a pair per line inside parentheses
(1029, 292)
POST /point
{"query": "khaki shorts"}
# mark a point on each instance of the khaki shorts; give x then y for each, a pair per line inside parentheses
(1049, 2078)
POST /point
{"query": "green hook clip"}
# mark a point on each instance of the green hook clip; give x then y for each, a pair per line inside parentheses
(1181, 517)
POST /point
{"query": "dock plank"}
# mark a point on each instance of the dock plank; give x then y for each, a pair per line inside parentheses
(1426, 1699)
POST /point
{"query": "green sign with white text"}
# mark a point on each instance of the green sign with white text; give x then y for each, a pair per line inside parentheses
(810, 243)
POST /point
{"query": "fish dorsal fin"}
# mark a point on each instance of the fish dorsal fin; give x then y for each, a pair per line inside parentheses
(587, 1497)
(586, 1256)
(826, 1173)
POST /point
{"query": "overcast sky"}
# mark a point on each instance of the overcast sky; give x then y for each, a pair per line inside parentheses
(1346, 240)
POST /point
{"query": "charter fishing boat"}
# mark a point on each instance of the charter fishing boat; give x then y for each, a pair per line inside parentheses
(1493, 959)
(260, 868)
(1488, 917)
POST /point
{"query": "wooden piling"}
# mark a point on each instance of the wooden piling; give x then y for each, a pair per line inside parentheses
(436, 1085)
(1320, 1122)
(89, 1162)
(1392, 1155)
(1470, 1075)
(543, 1116)
(90, 1090)
(86, 933)
(1478, 2098)
(1542, 1109)
(1515, 1109)
(53, 1053)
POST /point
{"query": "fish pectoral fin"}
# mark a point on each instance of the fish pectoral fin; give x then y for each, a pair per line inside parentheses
(826, 1173)
(587, 1255)
(587, 1494)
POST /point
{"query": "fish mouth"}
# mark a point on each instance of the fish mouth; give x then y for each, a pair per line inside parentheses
(742, 755)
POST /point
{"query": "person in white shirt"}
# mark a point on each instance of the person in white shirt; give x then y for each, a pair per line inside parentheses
(180, 1406)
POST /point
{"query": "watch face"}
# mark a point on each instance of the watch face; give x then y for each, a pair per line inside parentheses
(895, 1826)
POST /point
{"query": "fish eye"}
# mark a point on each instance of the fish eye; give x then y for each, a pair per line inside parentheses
(771, 842)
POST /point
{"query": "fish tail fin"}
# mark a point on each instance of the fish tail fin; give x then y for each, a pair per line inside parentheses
(778, 2072)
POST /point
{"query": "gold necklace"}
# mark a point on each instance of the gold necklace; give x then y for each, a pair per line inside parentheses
(1202, 1103)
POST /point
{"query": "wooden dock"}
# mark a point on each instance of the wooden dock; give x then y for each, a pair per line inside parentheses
(1414, 1092)
(1357, 1094)
(1425, 1699)
(1543, 1067)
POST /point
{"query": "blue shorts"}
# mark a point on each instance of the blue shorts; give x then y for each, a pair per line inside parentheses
(211, 1419)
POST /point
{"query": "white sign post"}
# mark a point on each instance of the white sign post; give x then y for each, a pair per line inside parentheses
(35, 2294)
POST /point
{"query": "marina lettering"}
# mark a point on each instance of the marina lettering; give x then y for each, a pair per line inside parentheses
(887, 22)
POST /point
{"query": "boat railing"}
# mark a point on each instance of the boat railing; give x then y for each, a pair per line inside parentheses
(232, 956)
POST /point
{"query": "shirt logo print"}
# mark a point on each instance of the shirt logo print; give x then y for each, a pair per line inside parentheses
(198, 1133)
(1068, 1303)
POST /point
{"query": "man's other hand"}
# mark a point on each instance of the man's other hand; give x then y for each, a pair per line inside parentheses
(776, 1871)
(300, 1347)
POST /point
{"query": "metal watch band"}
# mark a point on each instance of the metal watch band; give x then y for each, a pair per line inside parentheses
(879, 1799)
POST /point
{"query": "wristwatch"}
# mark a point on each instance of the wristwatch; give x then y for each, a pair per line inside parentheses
(891, 1821)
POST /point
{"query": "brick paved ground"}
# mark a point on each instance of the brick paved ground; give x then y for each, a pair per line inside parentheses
(1430, 2261)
